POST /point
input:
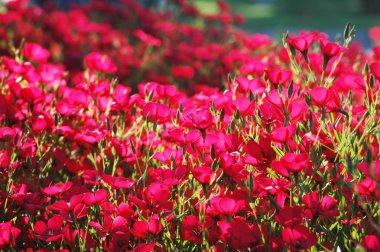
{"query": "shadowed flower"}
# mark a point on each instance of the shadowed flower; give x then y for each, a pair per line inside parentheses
(50, 232)
(299, 237)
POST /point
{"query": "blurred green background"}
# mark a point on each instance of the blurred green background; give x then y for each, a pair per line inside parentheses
(277, 16)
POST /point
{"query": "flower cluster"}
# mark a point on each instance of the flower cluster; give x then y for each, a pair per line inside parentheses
(145, 44)
(282, 154)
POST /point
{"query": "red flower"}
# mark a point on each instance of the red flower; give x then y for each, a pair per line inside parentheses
(374, 34)
(120, 97)
(260, 154)
(371, 243)
(185, 72)
(226, 205)
(142, 228)
(99, 62)
(330, 49)
(326, 207)
(233, 143)
(290, 216)
(50, 232)
(147, 38)
(243, 104)
(79, 210)
(256, 86)
(157, 112)
(180, 137)
(42, 122)
(299, 237)
(255, 67)
(367, 186)
(283, 134)
(143, 247)
(375, 70)
(276, 187)
(301, 43)
(200, 118)
(203, 174)
(31, 94)
(116, 226)
(191, 229)
(95, 198)
(319, 96)
(236, 170)
(118, 182)
(36, 53)
(8, 234)
(258, 40)
(169, 155)
(239, 234)
(295, 162)
(56, 189)
(278, 76)
(157, 193)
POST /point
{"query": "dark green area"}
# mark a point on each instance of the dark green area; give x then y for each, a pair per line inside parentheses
(301, 14)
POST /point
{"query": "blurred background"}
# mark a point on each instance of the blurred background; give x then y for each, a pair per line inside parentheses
(273, 17)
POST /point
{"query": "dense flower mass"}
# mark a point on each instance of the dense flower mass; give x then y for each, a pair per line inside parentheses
(123, 132)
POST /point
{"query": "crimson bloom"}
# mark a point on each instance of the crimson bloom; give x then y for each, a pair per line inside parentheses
(157, 193)
(75, 206)
(329, 50)
(157, 112)
(299, 237)
(50, 232)
(143, 247)
(117, 226)
(147, 38)
(95, 198)
(295, 162)
(277, 77)
(243, 104)
(226, 205)
(283, 134)
(35, 52)
(260, 154)
(325, 207)
(319, 96)
(169, 155)
(179, 136)
(301, 43)
(118, 182)
(371, 243)
(185, 72)
(191, 229)
(142, 228)
(276, 187)
(56, 189)
(374, 33)
(236, 170)
(203, 174)
(31, 94)
(42, 122)
(290, 216)
(8, 234)
(375, 70)
(367, 186)
(239, 234)
(200, 118)
(98, 62)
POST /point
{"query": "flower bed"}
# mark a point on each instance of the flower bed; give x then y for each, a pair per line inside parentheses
(254, 146)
